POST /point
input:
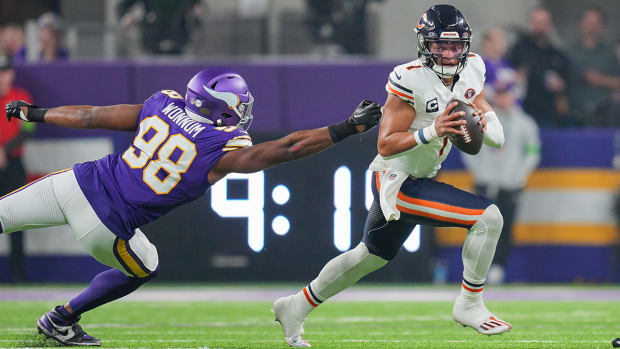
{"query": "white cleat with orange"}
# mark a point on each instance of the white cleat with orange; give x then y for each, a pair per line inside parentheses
(474, 314)
(292, 323)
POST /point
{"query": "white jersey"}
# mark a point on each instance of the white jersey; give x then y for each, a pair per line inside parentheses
(421, 88)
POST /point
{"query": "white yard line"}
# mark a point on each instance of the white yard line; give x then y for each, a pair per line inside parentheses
(362, 294)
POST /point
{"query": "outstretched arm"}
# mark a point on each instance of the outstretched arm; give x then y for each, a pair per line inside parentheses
(121, 117)
(296, 145)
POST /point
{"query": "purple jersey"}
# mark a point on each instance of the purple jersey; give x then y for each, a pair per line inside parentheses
(166, 166)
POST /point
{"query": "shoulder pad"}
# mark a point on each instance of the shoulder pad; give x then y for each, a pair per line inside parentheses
(238, 142)
(476, 61)
(399, 83)
(171, 94)
(165, 97)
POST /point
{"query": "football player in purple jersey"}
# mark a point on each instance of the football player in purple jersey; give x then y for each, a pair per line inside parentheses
(183, 145)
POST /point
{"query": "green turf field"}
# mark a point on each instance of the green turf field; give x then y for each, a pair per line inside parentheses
(142, 324)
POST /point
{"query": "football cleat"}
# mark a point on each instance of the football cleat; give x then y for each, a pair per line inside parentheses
(475, 314)
(292, 325)
(52, 325)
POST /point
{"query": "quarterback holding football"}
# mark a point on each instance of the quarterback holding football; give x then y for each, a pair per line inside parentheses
(418, 117)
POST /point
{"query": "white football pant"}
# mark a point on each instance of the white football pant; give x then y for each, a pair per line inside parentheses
(57, 199)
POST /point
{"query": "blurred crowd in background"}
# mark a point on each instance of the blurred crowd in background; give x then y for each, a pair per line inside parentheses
(577, 84)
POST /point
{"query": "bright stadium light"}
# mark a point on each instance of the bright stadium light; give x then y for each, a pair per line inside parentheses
(280, 194)
(252, 207)
(280, 225)
(412, 243)
(342, 203)
(368, 185)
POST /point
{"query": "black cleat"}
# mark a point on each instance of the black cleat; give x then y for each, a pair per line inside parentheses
(52, 325)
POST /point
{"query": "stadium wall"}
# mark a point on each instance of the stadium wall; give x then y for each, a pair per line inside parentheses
(566, 230)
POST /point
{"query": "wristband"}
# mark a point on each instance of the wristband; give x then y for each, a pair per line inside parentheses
(36, 114)
(340, 131)
(425, 135)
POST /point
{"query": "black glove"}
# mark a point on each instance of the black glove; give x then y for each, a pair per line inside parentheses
(366, 114)
(35, 114)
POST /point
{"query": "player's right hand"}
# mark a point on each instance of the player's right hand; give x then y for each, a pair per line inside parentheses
(445, 123)
(14, 110)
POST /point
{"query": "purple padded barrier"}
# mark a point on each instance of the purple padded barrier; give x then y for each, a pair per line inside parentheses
(318, 95)
(264, 82)
(57, 84)
(288, 96)
(547, 264)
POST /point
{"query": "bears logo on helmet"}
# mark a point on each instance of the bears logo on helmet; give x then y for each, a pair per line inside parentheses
(443, 23)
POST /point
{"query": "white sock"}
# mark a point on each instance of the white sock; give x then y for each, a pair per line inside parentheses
(478, 251)
(337, 275)
(470, 296)
(302, 305)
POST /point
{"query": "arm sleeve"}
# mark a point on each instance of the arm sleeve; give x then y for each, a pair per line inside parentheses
(494, 135)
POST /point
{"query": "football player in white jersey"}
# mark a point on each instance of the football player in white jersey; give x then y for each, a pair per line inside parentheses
(412, 144)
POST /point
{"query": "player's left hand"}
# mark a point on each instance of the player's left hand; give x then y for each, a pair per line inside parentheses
(18, 110)
(482, 119)
(483, 122)
(366, 116)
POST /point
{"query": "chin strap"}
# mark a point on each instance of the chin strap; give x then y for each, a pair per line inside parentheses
(445, 72)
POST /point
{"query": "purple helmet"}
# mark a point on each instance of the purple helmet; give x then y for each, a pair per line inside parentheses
(221, 97)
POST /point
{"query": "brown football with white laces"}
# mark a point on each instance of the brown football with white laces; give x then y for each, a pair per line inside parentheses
(470, 141)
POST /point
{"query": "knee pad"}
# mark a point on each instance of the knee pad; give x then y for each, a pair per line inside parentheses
(145, 250)
(493, 217)
(138, 257)
(138, 281)
(151, 275)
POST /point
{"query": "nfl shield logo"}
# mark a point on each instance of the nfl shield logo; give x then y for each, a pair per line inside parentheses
(470, 93)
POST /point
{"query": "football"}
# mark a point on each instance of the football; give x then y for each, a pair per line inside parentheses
(470, 141)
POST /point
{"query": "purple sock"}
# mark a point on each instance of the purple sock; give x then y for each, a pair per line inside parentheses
(65, 317)
(105, 287)
(62, 311)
